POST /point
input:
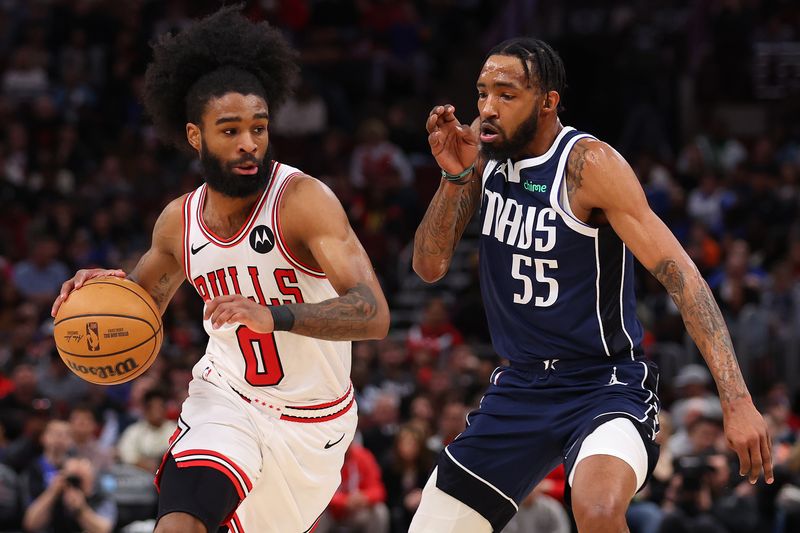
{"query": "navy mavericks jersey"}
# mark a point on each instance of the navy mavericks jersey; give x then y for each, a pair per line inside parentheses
(553, 287)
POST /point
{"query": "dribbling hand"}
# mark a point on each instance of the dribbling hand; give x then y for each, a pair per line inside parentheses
(236, 309)
(77, 281)
(454, 145)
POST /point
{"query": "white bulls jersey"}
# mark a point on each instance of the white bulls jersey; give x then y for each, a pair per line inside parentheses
(280, 370)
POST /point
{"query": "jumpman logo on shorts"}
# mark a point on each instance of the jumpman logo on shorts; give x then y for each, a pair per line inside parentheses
(614, 380)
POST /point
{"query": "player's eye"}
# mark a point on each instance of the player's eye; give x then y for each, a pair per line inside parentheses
(229, 131)
(481, 95)
(259, 130)
(507, 97)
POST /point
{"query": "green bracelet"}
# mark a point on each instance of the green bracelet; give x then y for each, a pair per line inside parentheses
(457, 177)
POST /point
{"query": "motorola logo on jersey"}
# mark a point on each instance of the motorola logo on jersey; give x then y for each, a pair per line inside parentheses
(262, 240)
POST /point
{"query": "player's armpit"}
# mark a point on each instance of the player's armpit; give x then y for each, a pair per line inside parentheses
(160, 270)
(314, 218)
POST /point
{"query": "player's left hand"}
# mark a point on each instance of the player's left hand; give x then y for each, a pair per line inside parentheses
(236, 309)
(747, 434)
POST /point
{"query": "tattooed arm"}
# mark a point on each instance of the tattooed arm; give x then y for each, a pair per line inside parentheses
(316, 229)
(159, 271)
(455, 147)
(599, 178)
(443, 225)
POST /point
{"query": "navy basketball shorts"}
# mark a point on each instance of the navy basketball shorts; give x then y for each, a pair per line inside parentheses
(534, 417)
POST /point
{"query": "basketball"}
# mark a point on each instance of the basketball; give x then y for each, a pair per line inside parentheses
(109, 331)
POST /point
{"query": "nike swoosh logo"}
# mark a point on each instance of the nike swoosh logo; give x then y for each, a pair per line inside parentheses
(330, 444)
(195, 250)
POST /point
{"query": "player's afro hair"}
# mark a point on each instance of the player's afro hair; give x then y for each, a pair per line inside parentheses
(221, 53)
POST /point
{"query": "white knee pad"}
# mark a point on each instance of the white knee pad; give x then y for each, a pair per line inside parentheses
(439, 512)
(617, 437)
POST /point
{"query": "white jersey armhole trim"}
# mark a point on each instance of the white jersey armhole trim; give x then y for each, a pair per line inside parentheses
(187, 228)
(276, 225)
(557, 201)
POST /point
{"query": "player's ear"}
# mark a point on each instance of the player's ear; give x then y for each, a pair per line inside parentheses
(550, 101)
(193, 135)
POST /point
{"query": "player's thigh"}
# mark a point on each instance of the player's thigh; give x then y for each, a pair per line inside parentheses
(302, 470)
(611, 465)
(442, 513)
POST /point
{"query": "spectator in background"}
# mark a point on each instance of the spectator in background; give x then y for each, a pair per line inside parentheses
(16, 407)
(539, 513)
(708, 202)
(84, 428)
(693, 382)
(376, 161)
(359, 504)
(435, 333)
(452, 421)
(383, 424)
(40, 277)
(144, 443)
(304, 114)
(405, 470)
(56, 442)
(71, 503)
(57, 383)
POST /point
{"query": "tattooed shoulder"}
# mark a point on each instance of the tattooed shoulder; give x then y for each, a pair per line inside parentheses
(575, 166)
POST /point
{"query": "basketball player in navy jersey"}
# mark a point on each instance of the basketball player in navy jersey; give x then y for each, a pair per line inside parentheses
(562, 216)
(270, 413)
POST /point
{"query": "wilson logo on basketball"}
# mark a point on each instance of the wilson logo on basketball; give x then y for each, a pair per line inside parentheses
(262, 240)
(92, 337)
(120, 369)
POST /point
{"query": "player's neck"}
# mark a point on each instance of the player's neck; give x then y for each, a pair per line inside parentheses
(545, 137)
(226, 214)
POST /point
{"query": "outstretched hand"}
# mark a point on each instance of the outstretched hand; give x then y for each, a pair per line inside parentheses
(454, 145)
(747, 434)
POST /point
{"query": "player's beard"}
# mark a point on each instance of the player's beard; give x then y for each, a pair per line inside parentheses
(221, 177)
(514, 146)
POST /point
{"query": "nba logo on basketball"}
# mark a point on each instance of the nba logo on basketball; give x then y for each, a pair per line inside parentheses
(92, 337)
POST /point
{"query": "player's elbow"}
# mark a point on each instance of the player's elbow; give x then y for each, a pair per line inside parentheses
(380, 323)
(428, 269)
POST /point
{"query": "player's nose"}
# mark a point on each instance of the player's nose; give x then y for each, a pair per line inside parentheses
(488, 108)
(248, 144)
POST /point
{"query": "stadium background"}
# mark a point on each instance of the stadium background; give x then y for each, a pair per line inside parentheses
(702, 97)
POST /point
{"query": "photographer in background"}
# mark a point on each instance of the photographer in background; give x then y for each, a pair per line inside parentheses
(704, 498)
(70, 502)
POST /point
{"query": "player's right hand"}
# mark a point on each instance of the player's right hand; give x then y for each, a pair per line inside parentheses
(454, 145)
(77, 281)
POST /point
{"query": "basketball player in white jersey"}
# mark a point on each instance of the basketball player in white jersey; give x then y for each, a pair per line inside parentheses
(261, 438)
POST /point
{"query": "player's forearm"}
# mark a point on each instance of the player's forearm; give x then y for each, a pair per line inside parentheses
(441, 228)
(359, 314)
(705, 324)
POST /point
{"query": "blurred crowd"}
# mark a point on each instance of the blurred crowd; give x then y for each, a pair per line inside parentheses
(82, 179)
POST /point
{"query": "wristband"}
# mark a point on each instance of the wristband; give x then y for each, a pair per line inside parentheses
(456, 178)
(282, 318)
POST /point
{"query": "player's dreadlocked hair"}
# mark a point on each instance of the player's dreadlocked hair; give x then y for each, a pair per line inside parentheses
(219, 54)
(549, 70)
